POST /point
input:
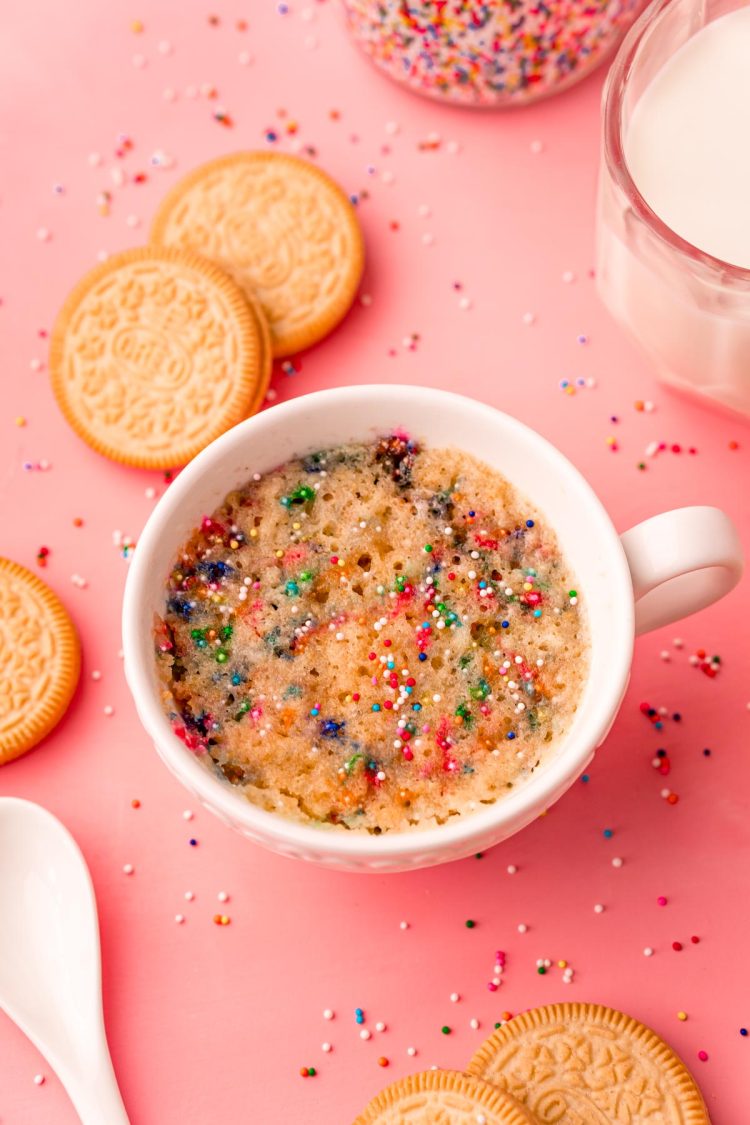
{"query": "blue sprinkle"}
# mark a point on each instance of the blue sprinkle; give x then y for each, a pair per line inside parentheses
(505, 624)
(584, 777)
(537, 613)
(193, 843)
(329, 728)
(608, 833)
(529, 523)
(376, 706)
(416, 706)
(423, 656)
(510, 734)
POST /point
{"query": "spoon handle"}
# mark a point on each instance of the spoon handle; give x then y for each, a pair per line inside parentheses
(96, 1096)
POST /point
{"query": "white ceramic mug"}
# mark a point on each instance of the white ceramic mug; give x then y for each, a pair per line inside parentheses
(659, 571)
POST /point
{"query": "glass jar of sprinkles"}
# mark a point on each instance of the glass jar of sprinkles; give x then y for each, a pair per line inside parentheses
(491, 53)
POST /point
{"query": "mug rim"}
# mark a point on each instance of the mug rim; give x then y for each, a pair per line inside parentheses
(537, 792)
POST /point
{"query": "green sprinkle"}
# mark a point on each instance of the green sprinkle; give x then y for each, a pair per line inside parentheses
(470, 924)
(221, 656)
(445, 1030)
(572, 593)
(303, 494)
(497, 1025)
(311, 1071)
(428, 547)
(226, 632)
(541, 970)
(351, 763)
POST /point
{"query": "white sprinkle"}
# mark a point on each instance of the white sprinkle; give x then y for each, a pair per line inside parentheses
(94, 159)
(387, 177)
(164, 47)
(528, 318)
(436, 698)
(223, 896)
(150, 493)
(391, 128)
(139, 61)
(327, 1013)
(325, 1047)
(648, 951)
(403, 925)
(568, 276)
(598, 909)
(128, 868)
(189, 895)
(43, 234)
(454, 997)
(474, 1024)
(536, 147)
(188, 814)
(411, 1052)
(168, 94)
(96, 674)
(109, 710)
(678, 642)
(380, 1026)
(365, 1034)
(522, 927)
(465, 303)
(617, 862)
(665, 793)
(664, 654)
(38, 1079)
(179, 919)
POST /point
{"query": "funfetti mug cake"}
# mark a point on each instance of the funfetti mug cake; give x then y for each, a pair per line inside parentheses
(486, 52)
(384, 627)
(376, 636)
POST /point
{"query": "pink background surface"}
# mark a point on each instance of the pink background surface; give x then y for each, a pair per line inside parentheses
(212, 1024)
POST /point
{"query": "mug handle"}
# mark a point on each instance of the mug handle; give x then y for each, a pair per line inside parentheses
(680, 562)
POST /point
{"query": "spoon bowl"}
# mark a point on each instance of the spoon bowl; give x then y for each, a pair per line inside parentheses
(50, 963)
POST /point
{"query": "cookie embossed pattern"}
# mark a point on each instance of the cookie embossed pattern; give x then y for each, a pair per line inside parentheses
(154, 354)
(584, 1064)
(39, 660)
(282, 229)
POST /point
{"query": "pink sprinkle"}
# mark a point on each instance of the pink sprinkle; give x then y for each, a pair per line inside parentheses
(703, 1056)
(492, 986)
(662, 900)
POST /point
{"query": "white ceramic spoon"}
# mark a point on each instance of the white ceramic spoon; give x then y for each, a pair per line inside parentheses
(50, 966)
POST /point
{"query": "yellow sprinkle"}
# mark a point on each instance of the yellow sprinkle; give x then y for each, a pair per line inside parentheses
(562, 964)
(341, 562)
(527, 586)
(137, 26)
(570, 390)
(20, 420)
(233, 544)
(611, 441)
(296, 526)
(253, 533)
(682, 1016)
(279, 554)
